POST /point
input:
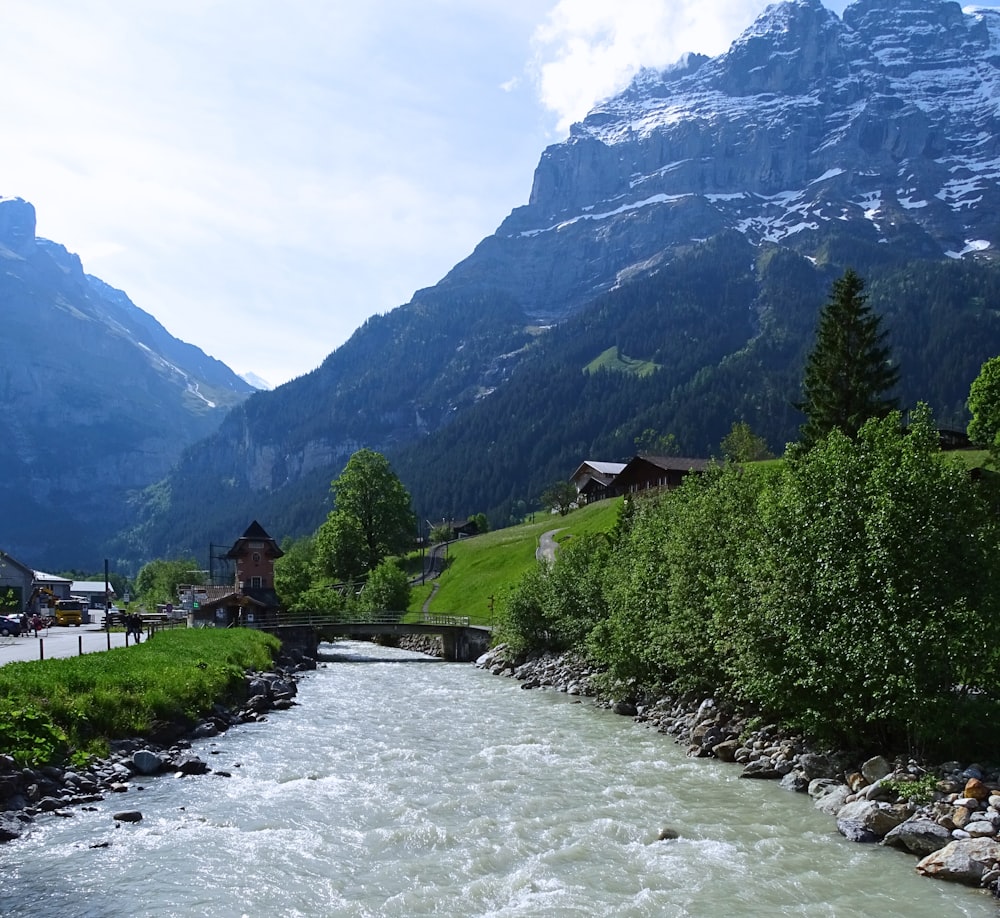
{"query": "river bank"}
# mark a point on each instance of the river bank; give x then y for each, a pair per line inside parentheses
(947, 814)
(26, 793)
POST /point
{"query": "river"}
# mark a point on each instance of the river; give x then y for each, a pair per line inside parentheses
(399, 787)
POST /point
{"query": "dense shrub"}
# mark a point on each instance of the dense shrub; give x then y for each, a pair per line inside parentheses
(852, 593)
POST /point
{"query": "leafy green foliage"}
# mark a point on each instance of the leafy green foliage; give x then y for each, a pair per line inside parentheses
(29, 736)
(372, 518)
(984, 404)
(555, 607)
(387, 589)
(729, 326)
(741, 444)
(848, 372)
(559, 497)
(850, 593)
(158, 580)
(293, 571)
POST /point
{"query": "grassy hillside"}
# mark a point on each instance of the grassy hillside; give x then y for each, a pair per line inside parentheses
(613, 360)
(487, 565)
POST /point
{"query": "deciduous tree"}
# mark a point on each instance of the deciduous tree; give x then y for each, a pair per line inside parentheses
(560, 497)
(984, 404)
(370, 504)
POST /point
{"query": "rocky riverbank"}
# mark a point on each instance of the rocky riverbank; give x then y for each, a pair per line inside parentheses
(28, 792)
(947, 814)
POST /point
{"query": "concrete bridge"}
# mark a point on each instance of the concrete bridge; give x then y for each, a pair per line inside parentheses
(461, 642)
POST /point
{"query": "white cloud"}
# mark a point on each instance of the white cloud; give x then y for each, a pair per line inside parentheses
(587, 50)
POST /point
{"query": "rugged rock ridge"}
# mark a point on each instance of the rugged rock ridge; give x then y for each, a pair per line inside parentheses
(883, 125)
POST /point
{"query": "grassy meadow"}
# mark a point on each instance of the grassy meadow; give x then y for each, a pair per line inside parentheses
(51, 709)
(488, 564)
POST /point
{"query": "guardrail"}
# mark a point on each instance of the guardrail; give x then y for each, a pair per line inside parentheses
(374, 618)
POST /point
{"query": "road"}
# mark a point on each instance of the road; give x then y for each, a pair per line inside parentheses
(58, 642)
(547, 546)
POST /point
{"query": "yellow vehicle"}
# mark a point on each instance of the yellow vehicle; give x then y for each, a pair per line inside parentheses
(69, 612)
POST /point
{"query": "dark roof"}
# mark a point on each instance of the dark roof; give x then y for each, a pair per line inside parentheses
(254, 533)
(676, 463)
(233, 599)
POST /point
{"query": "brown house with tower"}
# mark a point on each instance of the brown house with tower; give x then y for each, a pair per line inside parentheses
(252, 598)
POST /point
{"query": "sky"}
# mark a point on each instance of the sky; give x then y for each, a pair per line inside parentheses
(262, 177)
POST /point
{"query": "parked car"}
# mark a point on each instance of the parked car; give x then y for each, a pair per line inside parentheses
(10, 625)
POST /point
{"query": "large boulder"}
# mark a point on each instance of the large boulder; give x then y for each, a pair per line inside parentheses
(146, 762)
(875, 818)
(963, 861)
(920, 836)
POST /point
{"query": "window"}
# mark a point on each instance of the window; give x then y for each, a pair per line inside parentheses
(256, 557)
(255, 583)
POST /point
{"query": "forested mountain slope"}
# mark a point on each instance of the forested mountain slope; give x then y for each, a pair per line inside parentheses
(695, 221)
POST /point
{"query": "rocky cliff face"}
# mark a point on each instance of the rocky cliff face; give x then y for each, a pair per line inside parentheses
(883, 125)
(98, 399)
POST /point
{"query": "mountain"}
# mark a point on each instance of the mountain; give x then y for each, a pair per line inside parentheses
(257, 382)
(666, 273)
(99, 400)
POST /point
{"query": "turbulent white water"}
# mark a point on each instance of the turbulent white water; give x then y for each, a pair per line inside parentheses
(411, 789)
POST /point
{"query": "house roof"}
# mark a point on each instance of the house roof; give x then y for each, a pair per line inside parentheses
(602, 470)
(90, 586)
(233, 599)
(42, 577)
(8, 559)
(254, 533)
(675, 463)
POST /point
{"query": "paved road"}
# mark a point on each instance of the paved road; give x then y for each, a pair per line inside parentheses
(58, 642)
(547, 546)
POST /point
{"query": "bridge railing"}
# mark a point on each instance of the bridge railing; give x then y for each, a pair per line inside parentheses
(456, 621)
(342, 618)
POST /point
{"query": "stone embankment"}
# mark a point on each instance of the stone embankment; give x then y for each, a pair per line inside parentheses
(947, 815)
(27, 792)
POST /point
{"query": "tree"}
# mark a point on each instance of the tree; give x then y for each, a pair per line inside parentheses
(370, 502)
(340, 551)
(481, 522)
(655, 444)
(158, 580)
(849, 370)
(293, 570)
(741, 444)
(560, 497)
(984, 405)
(387, 589)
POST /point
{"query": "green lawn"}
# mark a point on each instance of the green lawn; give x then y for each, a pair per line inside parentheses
(486, 565)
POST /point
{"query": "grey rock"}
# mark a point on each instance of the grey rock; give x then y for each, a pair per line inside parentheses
(919, 835)
(128, 816)
(146, 762)
(962, 861)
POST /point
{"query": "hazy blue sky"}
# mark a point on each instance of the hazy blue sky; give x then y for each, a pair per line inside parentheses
(263, 176)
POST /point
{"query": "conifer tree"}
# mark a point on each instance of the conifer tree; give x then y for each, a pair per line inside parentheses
(849, 373)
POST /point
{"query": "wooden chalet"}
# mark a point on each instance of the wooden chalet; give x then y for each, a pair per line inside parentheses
(643, 473)
(595, 480)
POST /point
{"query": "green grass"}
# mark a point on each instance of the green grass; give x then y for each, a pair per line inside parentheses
(612, 359)
(50, 708)
(486, 565)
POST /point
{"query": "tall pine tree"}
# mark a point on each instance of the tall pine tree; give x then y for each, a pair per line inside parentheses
(849, 373)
